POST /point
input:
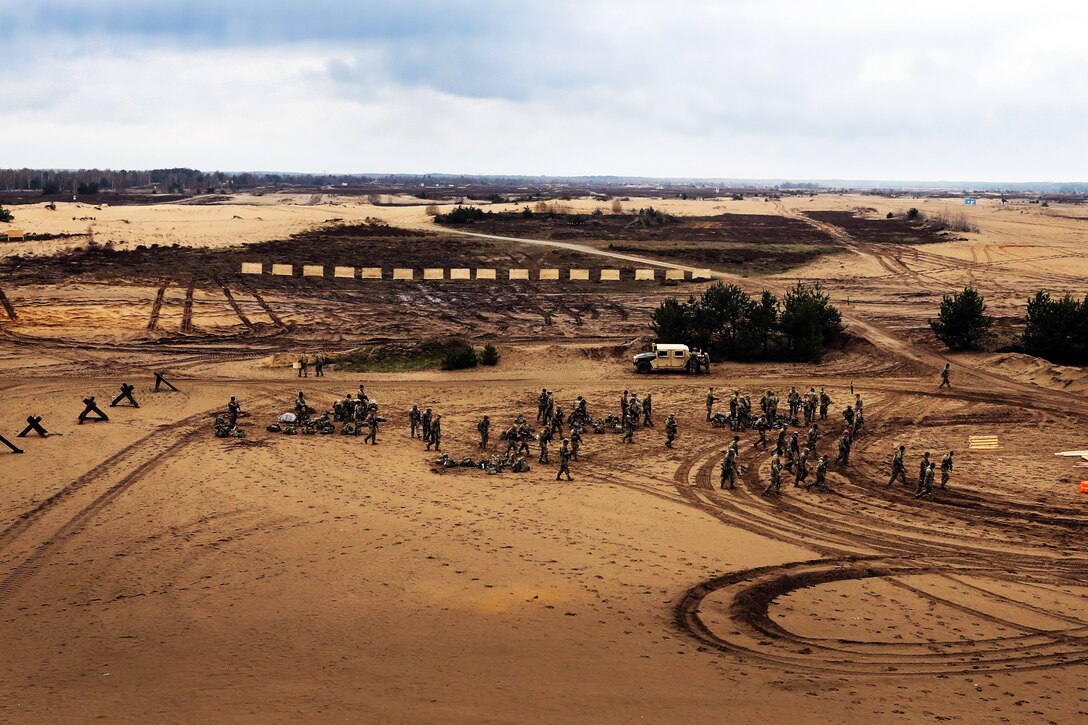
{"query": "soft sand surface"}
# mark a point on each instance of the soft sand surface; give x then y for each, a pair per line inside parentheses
(149, 571)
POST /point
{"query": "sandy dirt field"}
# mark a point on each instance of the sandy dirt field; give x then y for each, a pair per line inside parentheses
(152, 572)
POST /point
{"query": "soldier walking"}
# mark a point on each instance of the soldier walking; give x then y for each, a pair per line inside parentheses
(710, 400)
(844, 448)
(564, 461)
(648, 411)
(729, 468)
(898, 470)
(761, 428)
(821, 475)
(944, 377)
(303, 366)
(629, 425)
(544, 439)
(802, 467)
(319, 365)
(825, 403)
(946, 468)
(925, 486)
(575, 441)
(428, 423)
(776, 475)
(541, 405)
(436, 433)
(923, 466)
(670, 430)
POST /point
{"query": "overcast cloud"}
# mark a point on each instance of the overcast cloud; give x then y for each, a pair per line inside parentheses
(981, 91)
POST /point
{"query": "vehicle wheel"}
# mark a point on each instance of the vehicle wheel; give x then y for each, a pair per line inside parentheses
(643, 368)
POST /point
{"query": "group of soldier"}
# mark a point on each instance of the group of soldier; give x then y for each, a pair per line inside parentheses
(926, 472)
(802, 409)
(303, 365)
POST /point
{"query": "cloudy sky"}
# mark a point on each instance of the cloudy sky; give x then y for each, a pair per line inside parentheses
(945, 90)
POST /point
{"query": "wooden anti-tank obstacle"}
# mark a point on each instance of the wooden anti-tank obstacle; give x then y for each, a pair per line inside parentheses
(90, 408)
(126, 394)
(34, 423)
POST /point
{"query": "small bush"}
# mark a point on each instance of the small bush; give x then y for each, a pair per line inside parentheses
(459, 358)
(490, 356)
(431, 210)
(913, 214)
(5, 215)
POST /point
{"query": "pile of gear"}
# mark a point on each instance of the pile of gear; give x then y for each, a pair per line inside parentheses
(493, 465)
(224, 428)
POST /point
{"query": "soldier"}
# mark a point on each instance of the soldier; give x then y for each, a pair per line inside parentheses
(794, 450)
(734, 410)
(946, 468)
(541, 405)
(670, 430)
(303, 366)
(358, 417)
(511, 436)
(710, 400)
(630, 422)
(580, 410)
(780, 444)
(648, 411)
(372, 429)
(821, 475)
(802, 467)
(623, 404)
(557, 422)
(858, 404)
(813, 435)
(428, 422)
(634, 407)
(735, 446)
(848, 416)
(944, 376)
(729, 468)
(564, 461)
(524, 434)
(898, 471)
(773, 404)
(415, 419)
(811, 401)
(859, 421)
(484, 428)
(761, 428)
(923, 466)
(302, 411)
(745, 410)
(776, 475)
(765, 404)
(844, 448)
(233, 409)
(925, 486)
(575, 441)
(794, 401)
(319, 365)
(544, 439)
(436, 433)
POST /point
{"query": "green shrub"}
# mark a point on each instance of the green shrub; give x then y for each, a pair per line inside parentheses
(962, 323)
(5, 215)
(490, 356)
(460, 357)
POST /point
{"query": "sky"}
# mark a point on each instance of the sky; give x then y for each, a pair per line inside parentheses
(754, 89)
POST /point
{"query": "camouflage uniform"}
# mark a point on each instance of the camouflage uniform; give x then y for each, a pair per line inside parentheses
(564, 462)
(946, 468)
(415, 419)
(729, 468)
(776, 475)
(484, 428)
(710, 400)
(898, 470)
(670, 430)
(436, 434)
